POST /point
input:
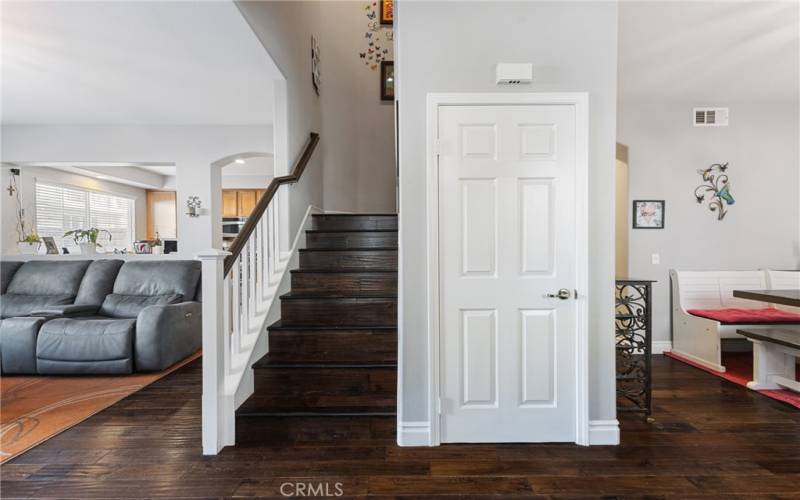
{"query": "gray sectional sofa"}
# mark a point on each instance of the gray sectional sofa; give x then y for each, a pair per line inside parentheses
(98, 317)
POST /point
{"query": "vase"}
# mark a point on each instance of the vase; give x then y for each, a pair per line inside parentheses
(88, 248)
(28, 248)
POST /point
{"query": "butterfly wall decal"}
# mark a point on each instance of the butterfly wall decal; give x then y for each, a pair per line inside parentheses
(717, 187)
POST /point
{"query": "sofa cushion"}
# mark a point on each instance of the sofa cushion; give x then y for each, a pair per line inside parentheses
(41, 277)
(98, 281)
(129, 306)
(163, 277)
(7, 270)
(86, 340)
(733, 316)
(18, 344)
(14, 304)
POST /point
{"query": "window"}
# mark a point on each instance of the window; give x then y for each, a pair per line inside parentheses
(62, 208)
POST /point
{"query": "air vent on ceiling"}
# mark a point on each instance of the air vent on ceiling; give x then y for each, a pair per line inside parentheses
(710, 117)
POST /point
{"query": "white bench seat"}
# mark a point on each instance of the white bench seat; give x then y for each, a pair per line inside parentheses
(698, 338)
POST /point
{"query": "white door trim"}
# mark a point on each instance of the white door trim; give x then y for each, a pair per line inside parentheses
(580, 100)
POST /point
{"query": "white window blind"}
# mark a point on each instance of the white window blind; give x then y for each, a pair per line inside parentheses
(63, 208)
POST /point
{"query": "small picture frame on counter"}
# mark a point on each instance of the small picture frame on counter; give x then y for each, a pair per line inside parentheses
(50, 245)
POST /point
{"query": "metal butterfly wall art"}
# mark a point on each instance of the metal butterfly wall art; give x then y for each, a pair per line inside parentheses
(717, 188)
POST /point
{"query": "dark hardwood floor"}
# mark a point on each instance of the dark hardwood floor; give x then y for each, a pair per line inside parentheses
(711, 438)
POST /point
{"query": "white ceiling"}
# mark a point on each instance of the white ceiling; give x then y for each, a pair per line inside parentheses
(133, 62)
(709, 52)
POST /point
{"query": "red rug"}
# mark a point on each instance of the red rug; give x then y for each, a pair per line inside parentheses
(739, 370)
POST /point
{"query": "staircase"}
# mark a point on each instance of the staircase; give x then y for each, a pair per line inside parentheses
(334, 351)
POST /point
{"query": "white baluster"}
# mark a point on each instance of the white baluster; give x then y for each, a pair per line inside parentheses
(276, 248)
(245, 258)
(264, 249)
(251, 247)
(259, 297)
(236, 304)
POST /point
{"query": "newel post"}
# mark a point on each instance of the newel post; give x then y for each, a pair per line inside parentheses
(217, 407)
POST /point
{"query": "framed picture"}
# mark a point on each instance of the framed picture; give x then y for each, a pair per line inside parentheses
(387, 80)
(50, 245)
(387, 12)
(648, 214)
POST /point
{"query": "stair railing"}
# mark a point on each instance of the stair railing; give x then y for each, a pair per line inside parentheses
(238, 288)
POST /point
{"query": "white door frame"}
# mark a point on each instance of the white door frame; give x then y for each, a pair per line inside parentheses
(580, 101)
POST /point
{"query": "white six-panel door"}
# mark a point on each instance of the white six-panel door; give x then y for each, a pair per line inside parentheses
(507, 240)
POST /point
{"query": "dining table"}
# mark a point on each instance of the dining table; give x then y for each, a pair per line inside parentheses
(782, 297)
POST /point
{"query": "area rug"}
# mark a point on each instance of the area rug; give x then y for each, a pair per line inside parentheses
(35, 408)
(739, 370)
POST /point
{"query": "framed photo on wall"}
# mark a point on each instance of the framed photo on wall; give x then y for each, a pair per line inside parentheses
(387, 80)
(648, 214)
(387, 12)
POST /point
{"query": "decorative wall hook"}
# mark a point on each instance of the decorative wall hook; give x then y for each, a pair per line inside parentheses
(717, 187)
(193, 206)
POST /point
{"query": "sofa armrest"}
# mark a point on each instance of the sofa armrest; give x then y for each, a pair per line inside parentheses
(66, 310)
(166, 334)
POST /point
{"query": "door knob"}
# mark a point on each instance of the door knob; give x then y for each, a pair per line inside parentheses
(562, 294)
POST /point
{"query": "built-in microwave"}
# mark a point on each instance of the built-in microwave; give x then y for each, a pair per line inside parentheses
(232, 225)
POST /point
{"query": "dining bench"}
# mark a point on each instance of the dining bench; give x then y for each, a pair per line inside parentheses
(705, 312)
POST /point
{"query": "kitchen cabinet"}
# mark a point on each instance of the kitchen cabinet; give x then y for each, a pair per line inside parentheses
(240, 202)
(247, 202)
(230, 203)
(161, 214)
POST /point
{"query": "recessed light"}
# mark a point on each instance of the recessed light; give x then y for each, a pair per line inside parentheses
(240, 161)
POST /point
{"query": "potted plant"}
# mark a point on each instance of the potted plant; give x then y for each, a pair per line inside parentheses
(157, 246)
(29, 245)
(86, 239)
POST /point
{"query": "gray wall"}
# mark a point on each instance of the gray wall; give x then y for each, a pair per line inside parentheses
(285, 29)
(453, 47)
(359, 166)
(353, 168)
(669, 63)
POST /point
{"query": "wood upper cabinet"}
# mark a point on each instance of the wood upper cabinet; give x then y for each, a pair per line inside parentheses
(240, 202)
(230, 203)
(247, 202)
(161, 214)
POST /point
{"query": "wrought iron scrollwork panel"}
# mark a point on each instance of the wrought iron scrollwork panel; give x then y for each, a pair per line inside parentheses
(634, 346)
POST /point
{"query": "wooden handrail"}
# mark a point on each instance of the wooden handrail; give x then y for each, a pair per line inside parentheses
(252, 220)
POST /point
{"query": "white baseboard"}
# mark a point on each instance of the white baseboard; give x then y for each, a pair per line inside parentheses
(662, 346)
(413, 434)
(603, 432)
(700, 361)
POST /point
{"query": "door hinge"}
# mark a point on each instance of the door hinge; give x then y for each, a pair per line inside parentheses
(438, 406)
(437, 147)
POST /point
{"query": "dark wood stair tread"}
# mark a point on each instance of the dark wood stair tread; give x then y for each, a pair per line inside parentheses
(328, 270)
(327, 365)
(365, 249)
(317, 231)
(279, 325)
(250, 409)
(348, 298)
